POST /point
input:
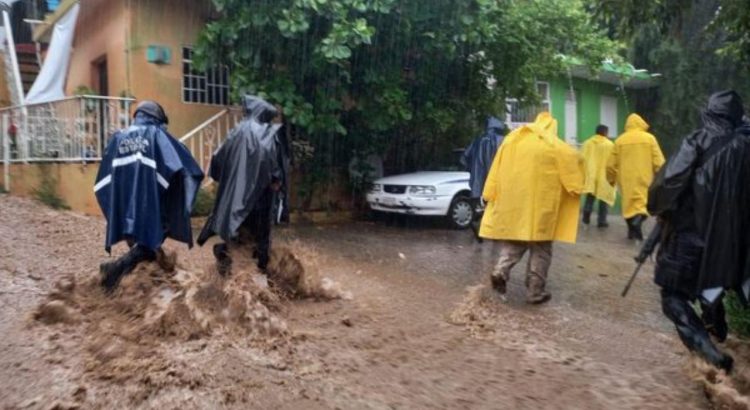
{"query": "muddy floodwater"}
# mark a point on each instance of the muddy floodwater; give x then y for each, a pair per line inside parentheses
(385, 317)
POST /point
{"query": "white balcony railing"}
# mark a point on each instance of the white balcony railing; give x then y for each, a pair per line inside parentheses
(71, 129)
(207, 137)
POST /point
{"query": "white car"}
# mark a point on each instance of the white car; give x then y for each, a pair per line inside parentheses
(436, 193)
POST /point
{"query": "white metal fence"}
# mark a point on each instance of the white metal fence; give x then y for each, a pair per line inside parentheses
(72, 129)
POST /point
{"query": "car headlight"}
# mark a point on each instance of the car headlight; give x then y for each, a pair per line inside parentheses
(422, 190)
(376, 188)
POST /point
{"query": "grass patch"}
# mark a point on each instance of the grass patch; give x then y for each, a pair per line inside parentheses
(738, 316)
(47, 191)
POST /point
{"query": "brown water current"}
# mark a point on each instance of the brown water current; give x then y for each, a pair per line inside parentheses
(360, 316)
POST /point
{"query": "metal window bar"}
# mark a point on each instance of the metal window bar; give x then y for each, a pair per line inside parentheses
(210, 87)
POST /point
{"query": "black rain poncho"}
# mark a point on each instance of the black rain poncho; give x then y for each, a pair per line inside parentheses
(705, 190)
(477, 158)
(244, 167)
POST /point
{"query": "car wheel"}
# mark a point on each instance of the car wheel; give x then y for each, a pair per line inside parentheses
(461, 212)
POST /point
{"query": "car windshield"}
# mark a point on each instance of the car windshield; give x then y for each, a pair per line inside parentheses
(449, 164)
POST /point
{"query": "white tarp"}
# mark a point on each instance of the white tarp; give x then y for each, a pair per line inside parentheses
(50, 84)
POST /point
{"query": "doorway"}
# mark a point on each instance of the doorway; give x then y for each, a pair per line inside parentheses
(571, 117)
(608, 114)
(101, 82)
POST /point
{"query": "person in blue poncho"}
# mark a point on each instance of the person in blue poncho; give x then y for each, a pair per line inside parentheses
(477, 158)
(146, 186)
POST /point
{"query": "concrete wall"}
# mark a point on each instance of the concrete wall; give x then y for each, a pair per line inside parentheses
(4, 92)
(74, 183)
(101, 32)
(121, 31)
(588, 94)
(174, 24)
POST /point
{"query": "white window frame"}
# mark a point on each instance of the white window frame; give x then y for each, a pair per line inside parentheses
(209, 88)
(529, 112)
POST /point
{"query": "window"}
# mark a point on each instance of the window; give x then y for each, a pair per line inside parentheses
(210, 87)
(519, 114)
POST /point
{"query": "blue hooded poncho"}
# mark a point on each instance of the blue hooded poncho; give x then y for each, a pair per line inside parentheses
(146, 185)
(477, 158)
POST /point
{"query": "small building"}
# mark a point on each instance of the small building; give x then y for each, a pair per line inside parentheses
(120, 51)
(581, 100)
(143, 49)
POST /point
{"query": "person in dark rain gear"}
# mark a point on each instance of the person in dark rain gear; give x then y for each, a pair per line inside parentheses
(702, 200)
(249, 168)
(146, 186)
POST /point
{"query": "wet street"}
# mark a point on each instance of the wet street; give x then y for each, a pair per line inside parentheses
(415, 330)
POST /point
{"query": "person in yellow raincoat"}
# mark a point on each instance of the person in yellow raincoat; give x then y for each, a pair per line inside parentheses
(633, 163)
(596, 152)
(533, 198)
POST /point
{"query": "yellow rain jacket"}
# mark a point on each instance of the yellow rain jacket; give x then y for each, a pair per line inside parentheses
(635, 160)
(533, 187)
(596, 152)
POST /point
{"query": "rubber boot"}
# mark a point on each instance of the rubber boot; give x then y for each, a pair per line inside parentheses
(535, 293)
(586, 218)
(113, 272)
(601, 220)
(715, 320)
(166, 261)
(631, 231)
(692, 331)
(499, 283)
(263, 260)
(223, 260)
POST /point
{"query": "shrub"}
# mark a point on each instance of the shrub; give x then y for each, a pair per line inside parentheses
(204, 202)
(47, 191)
(738, 316)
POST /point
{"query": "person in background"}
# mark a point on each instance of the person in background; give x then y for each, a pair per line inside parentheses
(702, 200)
(146, 186)
(249, 170)
(596, 152)
(478, 156)
(533, 198)
(634, 161)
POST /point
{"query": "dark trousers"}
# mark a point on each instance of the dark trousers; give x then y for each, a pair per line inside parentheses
(255, 229)
(588, 209)
(677, 270)
(258, 225)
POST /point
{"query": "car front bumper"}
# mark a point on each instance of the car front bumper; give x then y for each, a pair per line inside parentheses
(407, 204)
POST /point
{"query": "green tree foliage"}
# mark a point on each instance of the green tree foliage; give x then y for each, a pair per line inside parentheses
(733, 18)
(729, 19)
(404, 77)
(682, 40)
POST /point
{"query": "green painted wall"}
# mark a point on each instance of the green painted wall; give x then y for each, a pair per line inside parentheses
(588, 94)
(557, 90)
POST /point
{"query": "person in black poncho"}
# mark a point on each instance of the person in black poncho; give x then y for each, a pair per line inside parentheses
(702, 200)
(250, 170)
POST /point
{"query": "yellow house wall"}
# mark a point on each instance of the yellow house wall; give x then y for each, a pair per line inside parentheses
(74, 183)
(122, 30)
(174, 24)
(4, 92)
(101, 32)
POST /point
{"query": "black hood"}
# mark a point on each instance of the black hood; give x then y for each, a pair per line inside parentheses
(258, 109)
(153, 110)
(724, 111)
